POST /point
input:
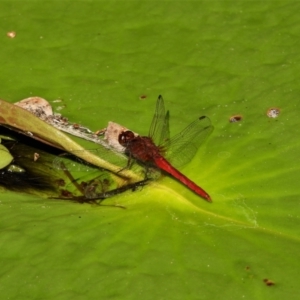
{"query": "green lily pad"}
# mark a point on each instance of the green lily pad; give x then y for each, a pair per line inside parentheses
(110, 61)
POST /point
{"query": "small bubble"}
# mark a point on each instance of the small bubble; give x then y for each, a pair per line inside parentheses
(235, 118)
(273, 112)
(268, 282)
(11, 34)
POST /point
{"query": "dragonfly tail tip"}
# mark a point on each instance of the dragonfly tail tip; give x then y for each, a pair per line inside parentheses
(207, 197)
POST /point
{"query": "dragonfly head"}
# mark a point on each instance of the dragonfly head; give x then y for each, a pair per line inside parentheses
(126, 137)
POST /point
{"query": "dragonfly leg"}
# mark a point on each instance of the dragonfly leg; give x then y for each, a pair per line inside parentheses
(129, 164)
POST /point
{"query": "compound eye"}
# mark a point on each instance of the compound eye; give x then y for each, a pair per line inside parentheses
(125, 137)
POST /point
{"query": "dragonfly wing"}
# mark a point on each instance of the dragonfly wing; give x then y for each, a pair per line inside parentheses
(159, 129)
(183, 147)
(165, 132)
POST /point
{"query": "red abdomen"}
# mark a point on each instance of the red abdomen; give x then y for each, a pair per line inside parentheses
(163, 164)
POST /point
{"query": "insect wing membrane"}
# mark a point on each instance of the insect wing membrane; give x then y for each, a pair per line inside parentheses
(185, 144)
(159, 129)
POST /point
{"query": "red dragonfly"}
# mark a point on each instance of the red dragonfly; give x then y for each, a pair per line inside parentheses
(180, 149)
